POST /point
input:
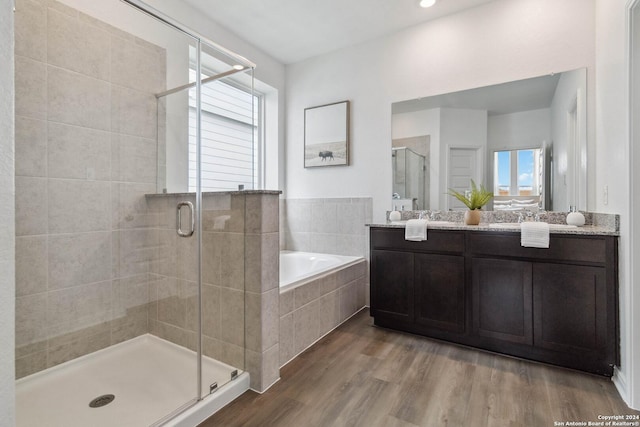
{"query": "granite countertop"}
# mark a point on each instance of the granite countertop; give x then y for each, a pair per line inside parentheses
(598, 230)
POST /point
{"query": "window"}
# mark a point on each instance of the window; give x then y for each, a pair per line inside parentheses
(517, 172)
(230, 137)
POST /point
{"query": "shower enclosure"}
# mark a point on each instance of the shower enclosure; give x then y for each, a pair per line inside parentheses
(409, 170)
(130, 284)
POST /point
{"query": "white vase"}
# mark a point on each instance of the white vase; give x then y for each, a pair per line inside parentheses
(575, 218)
(395, 216)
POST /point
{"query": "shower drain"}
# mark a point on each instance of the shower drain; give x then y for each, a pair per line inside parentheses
(103, 400)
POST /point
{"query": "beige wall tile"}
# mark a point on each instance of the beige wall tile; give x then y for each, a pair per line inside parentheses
(79, 100)
(174, 334)
(350, 218)
(133, 159)
(31, 364)
(211, 318)
(136, 66)
(253, 316)
(287, 301)
(162, 254)
(171, 307)
(306, 293)
(129, 206)
(76, 308)
(232, 260)
(329, 312)
(31, 320)
(75, 345)
(30, 88)
(212, 244)
(78, 153)
(305, 326)
(232, 311)
(324, 217)
(189, 293)
(134, 323)
(77, 46)
(285, 340)
(270, 366)
(348, 301)
(78, 206)
(270, 318)
(262, 214)
(31, 147)
(76, 259)
(133, 112)
(130, 294)
(31, 265)
(31, 30)
(31, 206)
(134, 250)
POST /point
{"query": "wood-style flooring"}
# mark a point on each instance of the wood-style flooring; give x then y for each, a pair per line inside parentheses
(361, 375)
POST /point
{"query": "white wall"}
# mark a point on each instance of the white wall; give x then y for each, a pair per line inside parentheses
(7, 218)
(613, 170)
(268, 70)
(501, 41)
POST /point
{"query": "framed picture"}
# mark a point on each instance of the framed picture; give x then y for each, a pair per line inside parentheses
(326, 135)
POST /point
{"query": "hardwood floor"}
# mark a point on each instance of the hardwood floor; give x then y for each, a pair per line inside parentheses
(361, 375)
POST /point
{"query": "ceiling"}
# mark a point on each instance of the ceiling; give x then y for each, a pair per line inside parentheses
(522, 95)
(294, 30)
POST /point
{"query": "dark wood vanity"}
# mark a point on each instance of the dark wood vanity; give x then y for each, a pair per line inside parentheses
(482, 289)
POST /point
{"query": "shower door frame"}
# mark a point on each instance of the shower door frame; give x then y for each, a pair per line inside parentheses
(241, 66)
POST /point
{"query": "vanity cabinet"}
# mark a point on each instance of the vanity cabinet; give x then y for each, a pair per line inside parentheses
(482, 289)
(418, 286)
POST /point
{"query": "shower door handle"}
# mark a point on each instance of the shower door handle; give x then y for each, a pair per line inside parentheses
(188, 233)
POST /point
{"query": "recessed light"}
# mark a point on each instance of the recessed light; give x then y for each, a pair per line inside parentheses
(238, 67)
(427, 3)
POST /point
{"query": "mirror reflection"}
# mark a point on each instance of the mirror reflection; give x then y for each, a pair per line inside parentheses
(525, 140)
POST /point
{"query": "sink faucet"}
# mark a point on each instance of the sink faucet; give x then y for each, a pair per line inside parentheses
(528, 216)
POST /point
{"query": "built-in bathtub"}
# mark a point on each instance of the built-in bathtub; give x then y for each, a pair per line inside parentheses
(317, 293)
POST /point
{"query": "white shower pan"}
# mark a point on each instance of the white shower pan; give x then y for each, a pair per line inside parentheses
(149, 377)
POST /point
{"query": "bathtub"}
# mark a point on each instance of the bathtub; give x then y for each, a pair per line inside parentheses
(318, 292)
(298, 268)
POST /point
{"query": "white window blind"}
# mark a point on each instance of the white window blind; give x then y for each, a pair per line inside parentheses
(229, 137)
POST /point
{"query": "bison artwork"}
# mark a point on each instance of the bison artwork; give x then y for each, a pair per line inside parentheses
(326, 155)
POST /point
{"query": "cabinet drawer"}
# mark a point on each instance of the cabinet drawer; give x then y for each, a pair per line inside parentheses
(591, 249)
(437, 241)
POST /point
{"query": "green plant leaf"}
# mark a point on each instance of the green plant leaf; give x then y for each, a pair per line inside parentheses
(478, 197)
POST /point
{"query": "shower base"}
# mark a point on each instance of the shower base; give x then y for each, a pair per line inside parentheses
(149, 377)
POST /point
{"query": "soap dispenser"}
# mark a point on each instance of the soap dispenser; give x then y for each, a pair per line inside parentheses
(395, 215)
(575, 217)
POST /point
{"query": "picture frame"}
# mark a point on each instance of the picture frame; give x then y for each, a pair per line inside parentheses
(326, 135)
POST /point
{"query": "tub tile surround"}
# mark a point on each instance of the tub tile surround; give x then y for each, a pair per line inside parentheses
(331, 225)
(312, 310)
(82, 269)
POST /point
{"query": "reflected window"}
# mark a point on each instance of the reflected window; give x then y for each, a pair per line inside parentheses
(517, 172)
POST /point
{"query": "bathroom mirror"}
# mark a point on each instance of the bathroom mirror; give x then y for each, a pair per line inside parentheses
(525, 140)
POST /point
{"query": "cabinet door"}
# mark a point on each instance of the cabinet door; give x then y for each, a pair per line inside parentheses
(570, 308)
(439, 292)
(502, 306)
(392, 284)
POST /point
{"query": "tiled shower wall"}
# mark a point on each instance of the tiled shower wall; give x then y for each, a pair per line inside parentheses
(333, 226)
(86, 125)
(239, 253)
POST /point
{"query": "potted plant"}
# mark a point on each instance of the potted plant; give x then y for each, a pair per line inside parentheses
(474, 200)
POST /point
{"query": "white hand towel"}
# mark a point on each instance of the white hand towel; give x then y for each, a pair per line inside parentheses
(416, 230)
(534, 234)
